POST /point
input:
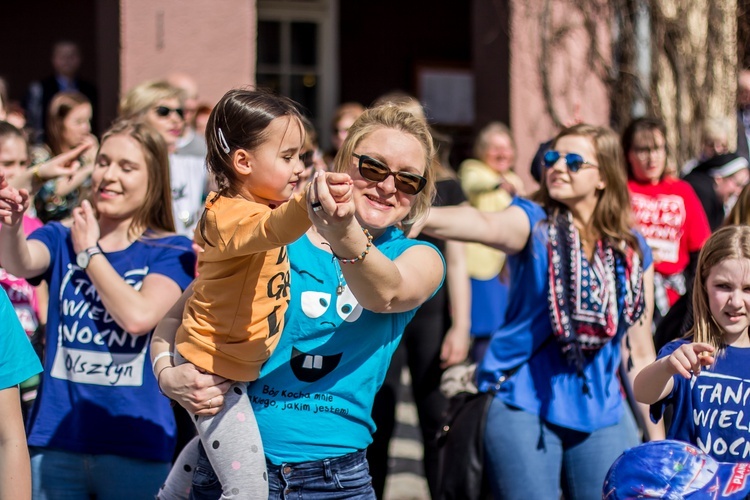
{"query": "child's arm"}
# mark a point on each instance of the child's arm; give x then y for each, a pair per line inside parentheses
(15, 471)
(271, 229)
(655, 382)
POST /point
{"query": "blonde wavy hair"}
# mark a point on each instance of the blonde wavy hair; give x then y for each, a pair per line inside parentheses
(146, 95)
(398, 118)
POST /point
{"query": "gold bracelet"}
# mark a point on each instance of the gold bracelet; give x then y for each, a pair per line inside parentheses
(35, 174)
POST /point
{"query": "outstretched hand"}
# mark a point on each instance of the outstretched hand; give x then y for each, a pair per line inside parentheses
(688, 359)
(66, 163)
(13, 203)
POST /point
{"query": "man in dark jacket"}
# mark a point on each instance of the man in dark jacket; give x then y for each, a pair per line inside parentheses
(66, 60)
(717, 182)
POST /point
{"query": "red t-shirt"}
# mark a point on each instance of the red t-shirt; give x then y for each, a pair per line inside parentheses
(671, 218)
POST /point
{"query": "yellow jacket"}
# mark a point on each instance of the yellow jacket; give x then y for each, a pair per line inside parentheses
(481, 185)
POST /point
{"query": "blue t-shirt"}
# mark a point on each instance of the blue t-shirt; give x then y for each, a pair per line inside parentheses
(546, 384)
(711, 410)
(18, 361)
(98, 394)
(314, 396)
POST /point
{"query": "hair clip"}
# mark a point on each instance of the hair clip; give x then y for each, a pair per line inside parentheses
(223, 142)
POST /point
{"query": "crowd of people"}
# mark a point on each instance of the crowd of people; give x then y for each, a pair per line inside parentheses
(217, 257)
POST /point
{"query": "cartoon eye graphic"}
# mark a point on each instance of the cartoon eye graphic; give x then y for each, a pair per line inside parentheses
(315, 304)
(347, 306)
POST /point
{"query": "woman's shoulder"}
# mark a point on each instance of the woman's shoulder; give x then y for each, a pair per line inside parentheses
(533, 210)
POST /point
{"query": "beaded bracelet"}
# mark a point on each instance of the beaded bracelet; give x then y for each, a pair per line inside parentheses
(360, 256)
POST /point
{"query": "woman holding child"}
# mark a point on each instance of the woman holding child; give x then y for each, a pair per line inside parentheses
(356, 282)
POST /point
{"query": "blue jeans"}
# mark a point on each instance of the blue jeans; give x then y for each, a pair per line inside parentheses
(528, 458)
(64, 475)
(346, 477)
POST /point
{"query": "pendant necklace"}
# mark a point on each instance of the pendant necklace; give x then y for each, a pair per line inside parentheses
(339, 272)
(340, 276)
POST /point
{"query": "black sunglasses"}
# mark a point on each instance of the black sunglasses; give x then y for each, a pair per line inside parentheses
(164, 111)
(372, 170)
(574, 161)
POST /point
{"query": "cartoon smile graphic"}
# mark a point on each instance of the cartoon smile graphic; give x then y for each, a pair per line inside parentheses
(312, 367)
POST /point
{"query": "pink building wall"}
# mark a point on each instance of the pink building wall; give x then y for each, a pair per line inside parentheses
(573, 84)
(214, 41)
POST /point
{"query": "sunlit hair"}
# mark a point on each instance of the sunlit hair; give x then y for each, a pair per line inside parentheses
(353, 109)
(729, 242)
(155, 213)
(243, 116)
(720, 129)
(643, 124)
(8, 131)
(483, 138)
(406, 101)
(397, 118)
(611, 217)
(740, 213)
(145, 96)
(441, 142)
(59, 108)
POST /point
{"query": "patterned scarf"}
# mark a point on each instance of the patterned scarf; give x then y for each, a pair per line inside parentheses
(583, 299)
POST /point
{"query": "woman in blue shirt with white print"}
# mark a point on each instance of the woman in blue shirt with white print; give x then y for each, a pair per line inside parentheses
(356, 281)
(581, 279)
(99, 426)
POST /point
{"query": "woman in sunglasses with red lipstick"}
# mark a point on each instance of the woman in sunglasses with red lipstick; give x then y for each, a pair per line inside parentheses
(580, 282)
(160, 105)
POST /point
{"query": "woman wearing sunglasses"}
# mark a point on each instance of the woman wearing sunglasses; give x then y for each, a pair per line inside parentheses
(580, 281)
(160, 105)
(356, 281)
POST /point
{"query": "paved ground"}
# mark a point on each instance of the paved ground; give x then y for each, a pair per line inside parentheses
(406, 477)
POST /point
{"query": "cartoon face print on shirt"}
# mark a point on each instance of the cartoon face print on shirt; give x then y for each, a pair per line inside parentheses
(327, 312)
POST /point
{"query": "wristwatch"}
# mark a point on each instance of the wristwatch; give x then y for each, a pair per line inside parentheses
(83, 258)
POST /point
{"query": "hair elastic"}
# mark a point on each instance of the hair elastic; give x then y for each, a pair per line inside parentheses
(223, 142)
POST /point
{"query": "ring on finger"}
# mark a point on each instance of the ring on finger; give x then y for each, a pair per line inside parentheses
(210, 405)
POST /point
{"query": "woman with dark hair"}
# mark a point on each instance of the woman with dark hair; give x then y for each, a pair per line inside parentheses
(99, 426)
(666, 211)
